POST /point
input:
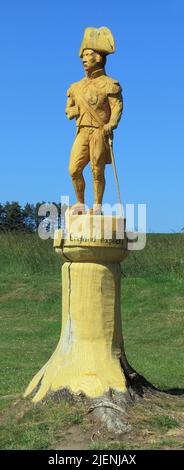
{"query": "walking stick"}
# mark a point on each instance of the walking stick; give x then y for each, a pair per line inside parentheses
(115, 174)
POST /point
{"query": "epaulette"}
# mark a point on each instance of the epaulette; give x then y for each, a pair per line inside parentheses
(114, 87)
(70, 90)
(73, 87)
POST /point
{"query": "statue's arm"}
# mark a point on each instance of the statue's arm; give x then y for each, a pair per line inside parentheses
(115, 99)
(72, 109)
(116, 105)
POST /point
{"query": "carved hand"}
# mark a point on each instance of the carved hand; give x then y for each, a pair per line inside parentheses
(107, 128)
(72, 112)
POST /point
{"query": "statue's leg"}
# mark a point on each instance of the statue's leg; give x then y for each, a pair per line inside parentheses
(79, 158)
(98, 159)
(98, 185)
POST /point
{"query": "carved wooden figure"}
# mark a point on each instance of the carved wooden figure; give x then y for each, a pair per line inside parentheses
(96, 103)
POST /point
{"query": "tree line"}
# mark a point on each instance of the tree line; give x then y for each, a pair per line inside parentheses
(14, 217)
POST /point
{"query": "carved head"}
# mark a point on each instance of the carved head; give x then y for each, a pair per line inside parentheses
(92, 60)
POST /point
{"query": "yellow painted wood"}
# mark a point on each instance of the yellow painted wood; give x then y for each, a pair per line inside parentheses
(87, 356)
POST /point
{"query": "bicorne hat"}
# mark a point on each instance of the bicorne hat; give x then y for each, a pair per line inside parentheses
(99, 39)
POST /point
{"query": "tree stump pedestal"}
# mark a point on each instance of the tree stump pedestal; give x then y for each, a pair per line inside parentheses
(88, 357)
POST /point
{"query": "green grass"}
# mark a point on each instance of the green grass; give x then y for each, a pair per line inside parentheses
(163, 422)
(153, 321)
(27, 254)
(163, 255)
(30, 299)
(29, 427)
(159, 445)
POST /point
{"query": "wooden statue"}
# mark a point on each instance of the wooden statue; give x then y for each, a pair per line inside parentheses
(96, 104)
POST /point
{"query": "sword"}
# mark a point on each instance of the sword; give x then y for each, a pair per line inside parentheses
(115, 174)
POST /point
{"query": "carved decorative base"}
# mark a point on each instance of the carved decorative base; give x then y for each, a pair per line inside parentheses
(87, 358)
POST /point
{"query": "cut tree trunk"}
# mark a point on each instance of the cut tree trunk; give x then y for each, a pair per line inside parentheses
(90, 360)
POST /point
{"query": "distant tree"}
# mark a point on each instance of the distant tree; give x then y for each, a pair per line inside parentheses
(29, 217)
(13, 216)
(26, 219)
(2, 217)
(37, 218)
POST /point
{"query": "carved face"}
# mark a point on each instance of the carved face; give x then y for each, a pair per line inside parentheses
(90, 59)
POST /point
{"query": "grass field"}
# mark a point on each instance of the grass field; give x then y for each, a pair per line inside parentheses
(153, 325)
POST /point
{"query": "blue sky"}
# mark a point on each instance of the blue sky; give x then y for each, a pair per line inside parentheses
(39, 44)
